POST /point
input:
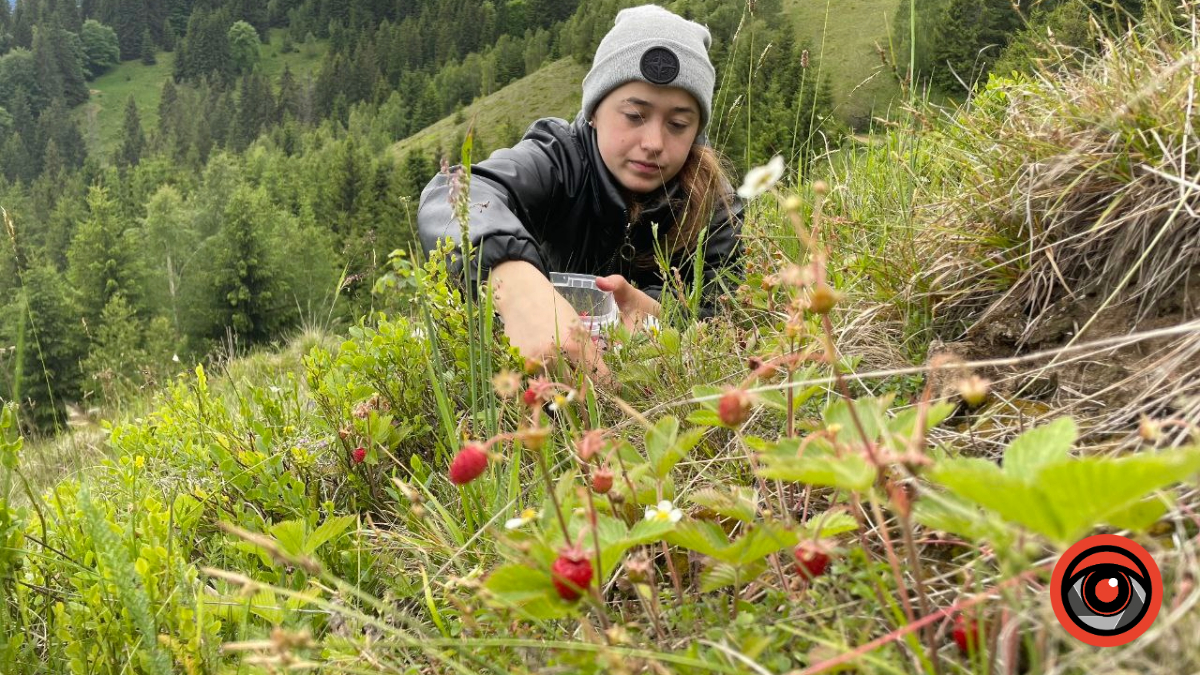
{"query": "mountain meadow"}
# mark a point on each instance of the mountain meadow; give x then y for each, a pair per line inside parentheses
(247, 426)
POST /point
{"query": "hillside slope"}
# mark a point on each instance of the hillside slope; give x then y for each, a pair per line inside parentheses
(553, 91)
(100, 118)
(843, 35)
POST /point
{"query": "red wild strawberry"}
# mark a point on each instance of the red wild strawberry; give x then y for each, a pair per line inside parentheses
(602, 480)
(966, 634)
(734, 407)
(812, 559)
(530, 397)
(359, 454)
(571, 573)
(468, 464)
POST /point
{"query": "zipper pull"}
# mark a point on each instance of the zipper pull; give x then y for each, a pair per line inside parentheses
(627, 251)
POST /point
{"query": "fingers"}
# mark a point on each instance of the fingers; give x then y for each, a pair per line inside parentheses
(613, 283)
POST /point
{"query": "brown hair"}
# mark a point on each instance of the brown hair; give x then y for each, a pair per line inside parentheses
(703, 181)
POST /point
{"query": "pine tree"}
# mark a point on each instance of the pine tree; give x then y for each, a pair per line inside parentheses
(289, 96)
(168, 36)
(204, 50)
(45, 309)
(100, 260)
(148, 48)
(129, 21)
(133, 139)
(168, 114)
(69, 57)
(46, 65)
(244, 284)
(15, 161)
(116, 354)
(22, 24)
(56, 126)
(256, 108)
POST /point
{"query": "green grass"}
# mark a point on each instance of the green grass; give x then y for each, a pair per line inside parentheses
(553, 91)
(843, 35)
(100, 118)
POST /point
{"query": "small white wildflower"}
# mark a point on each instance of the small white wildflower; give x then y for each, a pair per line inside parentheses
(665, 511)
(527, 516)
(175, 358)
(761, 178)
(560, 401)
(651, 324)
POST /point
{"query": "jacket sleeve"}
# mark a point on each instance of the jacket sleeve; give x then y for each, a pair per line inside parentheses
(512, 194)
(722, 253)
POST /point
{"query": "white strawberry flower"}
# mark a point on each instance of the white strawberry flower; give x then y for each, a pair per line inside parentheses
(527, 516)
(665, 511)
(560, 401)
(761, 178)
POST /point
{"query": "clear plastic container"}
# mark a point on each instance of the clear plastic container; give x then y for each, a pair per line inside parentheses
(597, 309)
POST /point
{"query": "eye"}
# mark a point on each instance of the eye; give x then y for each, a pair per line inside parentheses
(633, 116)
(1107, 592)
(679, 127)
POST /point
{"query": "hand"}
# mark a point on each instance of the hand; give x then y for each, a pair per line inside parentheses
(539, 321)
(633, 304)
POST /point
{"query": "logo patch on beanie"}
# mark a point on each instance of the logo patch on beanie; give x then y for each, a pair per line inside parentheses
(660, 65)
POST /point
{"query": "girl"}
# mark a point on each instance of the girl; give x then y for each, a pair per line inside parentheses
(584, 197)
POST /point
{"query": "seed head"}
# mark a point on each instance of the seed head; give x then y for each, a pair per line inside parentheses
(974, 390)
(822, 298)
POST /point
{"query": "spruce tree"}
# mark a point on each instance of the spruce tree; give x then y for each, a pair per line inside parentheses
(133, 139)
(15, 161)
(148, 48)
(44, 316)
(289, 96)
(129, 21)
(46, 65)
(22, 24)
(244, 285)
(68, 55)
(100, 260)
(168, 114)
(168, 36)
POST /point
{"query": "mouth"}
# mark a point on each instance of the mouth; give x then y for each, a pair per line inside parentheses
(646, 168)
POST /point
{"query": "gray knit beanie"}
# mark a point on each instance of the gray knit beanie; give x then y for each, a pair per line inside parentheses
(651, 44)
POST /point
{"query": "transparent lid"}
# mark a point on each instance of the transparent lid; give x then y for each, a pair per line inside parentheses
(596, 308)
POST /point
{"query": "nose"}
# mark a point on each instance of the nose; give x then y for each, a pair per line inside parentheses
(652, 138)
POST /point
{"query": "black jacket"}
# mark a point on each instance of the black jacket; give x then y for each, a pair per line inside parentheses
(550, 201)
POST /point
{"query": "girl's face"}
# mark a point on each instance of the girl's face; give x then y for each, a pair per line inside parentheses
(645, 132)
